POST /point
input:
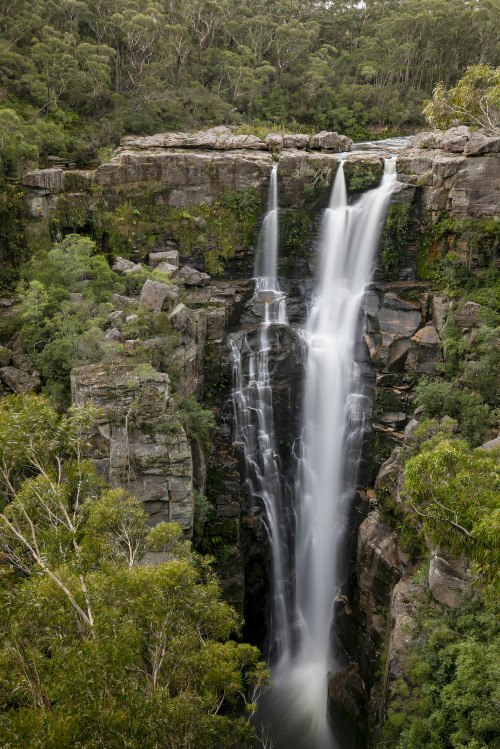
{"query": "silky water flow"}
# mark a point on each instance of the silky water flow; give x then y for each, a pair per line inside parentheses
(304, 585)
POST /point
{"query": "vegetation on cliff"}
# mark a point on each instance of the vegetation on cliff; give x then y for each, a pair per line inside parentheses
(98, 649)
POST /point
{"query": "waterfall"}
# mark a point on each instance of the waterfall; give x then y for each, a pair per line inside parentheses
(334, 413)
(254, 420)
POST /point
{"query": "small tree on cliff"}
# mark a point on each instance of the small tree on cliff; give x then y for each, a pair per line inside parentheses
(475, 100)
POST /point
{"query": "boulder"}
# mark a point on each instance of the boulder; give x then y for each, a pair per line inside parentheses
(168, 268)
(448, 579)
(116, 317)
(5, 356)
(165, 256)
(327, 141)
(455, 139)
(391, 477)
(123, 266)
(76, 298)
(491, 444)
(4, 302)
(113, 336)
(479, 143)
(296, 140)
(122, 302)
(192, 277)
(274, 141)
(426, 140)
(131, 318)
(158, 296)
(425, 351)
(18, 380)
(398, 317)
(179, 318)
(467, 316)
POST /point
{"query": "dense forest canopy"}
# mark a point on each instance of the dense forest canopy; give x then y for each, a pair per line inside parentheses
(75, 76)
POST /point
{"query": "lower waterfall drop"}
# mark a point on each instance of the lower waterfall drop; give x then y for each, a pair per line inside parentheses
(334, 414)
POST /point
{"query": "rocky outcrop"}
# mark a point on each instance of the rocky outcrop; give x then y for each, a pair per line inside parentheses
(225, 139)
(448, 578)
(18, 380)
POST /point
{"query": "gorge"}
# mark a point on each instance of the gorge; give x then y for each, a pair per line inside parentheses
(261, 346)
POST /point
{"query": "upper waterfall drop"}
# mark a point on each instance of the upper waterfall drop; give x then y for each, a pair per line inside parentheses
(266, 259)
(334, 416)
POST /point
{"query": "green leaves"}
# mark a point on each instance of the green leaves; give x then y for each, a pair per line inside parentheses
(457, 495)
(474, 100)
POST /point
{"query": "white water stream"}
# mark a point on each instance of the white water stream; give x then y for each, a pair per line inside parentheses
(333, 425)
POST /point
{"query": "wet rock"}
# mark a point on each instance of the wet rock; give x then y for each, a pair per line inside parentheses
(347, 706)
(390, 477)
(331, 142)
(18, 380)
(448, 579)
(5, 356)
(123, 266)
(425, 352)
(113, 336)
(168, 268)
(274, 141)
(158, 296)
(192, 277)
(165, 256)
(51, 180)
(296, 140)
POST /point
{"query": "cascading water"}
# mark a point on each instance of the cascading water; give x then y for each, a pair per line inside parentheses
(254, 420)
(334, 414)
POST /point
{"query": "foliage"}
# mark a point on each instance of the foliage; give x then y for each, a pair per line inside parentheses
(448, 698)
(362, 175)
(474, 100)
(449, 399)
(295, 237)
(457, 494)
(97, 650)
(197, 420)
